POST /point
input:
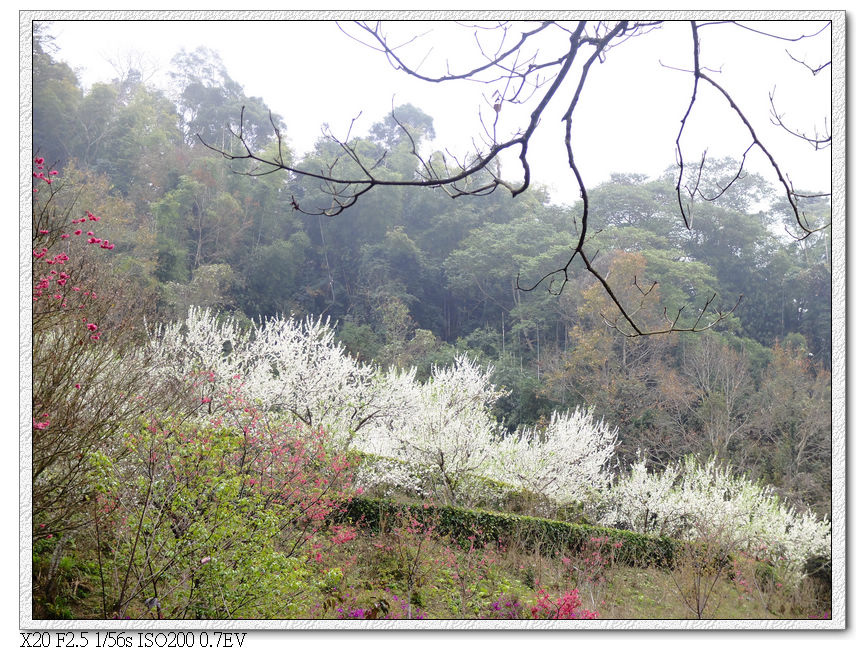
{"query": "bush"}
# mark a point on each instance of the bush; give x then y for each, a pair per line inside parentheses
(219, 517)
(551, 537)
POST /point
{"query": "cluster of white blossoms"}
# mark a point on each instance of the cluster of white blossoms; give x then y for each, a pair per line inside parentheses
(707, 502)
(283, 365)
(567, 461)
(440, 432)
(443, 425)
(438, 438)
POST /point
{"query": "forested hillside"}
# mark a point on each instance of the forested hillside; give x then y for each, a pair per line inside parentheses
(405, 281)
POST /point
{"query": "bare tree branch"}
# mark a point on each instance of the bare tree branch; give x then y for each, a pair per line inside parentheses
(519, 67)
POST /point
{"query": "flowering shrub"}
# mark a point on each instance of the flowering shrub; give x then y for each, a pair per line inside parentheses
(588, 568)
(83, 322)
(218, 517)
(566, 607)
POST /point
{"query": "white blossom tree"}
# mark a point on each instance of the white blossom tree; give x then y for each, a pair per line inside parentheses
(640, 501)
(445, 426)
(692, 500)
(566, 461)
(283, 364)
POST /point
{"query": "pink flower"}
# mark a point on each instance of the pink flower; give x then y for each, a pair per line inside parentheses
(77, 385)
(78, 232)
(92, 327)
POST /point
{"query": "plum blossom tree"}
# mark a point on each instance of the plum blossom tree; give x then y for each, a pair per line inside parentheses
(443, 427)
(283, 364)
(567, 461)
(693, 499)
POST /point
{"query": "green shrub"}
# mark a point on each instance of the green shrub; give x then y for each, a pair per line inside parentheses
(549, 536)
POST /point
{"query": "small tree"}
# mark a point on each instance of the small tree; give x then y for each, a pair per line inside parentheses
(443, 426)
(567, 461)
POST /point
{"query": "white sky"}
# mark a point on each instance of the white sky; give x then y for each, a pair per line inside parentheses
(310, 72)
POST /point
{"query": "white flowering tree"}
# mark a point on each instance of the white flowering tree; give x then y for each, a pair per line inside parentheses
(693, 500)
(310, 376)
(444, 427)
(282, 364)
(640, 501)
(566, 462)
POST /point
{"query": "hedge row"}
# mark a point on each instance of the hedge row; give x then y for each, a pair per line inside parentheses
(532, 533)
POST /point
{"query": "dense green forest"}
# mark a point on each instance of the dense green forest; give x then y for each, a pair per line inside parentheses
(411, 278)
